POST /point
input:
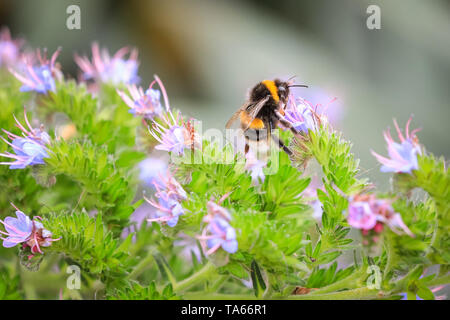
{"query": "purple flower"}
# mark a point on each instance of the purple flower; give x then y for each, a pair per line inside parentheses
(150, 171)
(168, 209)
(24, 230)
(218, 232)
(403, 155)
(255, 167)
(301, 115)
(9, 49)
(40, 76)
(169, 193)
(323, 103)
(18, 230)
(175, 137)
(30, 149)
(105, 68)
(146, 104)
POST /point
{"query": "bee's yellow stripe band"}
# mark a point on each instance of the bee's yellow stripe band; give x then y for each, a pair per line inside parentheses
(272, 88)
(255, 124)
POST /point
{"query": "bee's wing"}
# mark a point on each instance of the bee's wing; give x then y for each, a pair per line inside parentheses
(251, 108)
(254, 109)
(236, 115)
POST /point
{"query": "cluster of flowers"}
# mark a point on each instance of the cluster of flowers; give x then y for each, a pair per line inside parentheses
(174, 135)
(31, 233)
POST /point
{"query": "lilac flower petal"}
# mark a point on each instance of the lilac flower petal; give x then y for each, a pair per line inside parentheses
(230, 246)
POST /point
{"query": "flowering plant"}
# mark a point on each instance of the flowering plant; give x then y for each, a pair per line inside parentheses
(147, 207)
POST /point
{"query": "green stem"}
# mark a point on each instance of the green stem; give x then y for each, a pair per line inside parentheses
(197, 277)
(389, 251)
(141, 267)
(216, 285)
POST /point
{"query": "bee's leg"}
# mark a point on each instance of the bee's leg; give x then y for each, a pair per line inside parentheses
(285, 123)
(281, 144)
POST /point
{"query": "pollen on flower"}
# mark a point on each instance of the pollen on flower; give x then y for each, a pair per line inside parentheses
(30, 149)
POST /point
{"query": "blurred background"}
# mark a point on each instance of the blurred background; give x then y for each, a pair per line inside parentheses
(209, 53)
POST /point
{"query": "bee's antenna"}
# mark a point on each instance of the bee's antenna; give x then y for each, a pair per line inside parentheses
(298, 85)
(291, 78)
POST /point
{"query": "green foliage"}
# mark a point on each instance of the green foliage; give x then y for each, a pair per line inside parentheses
(333, 154)
(86, 189)
(85, 241)
(105, 186)
(135, 291)
(9, 285)
(323, 277)
(281, 191)
(107, 125)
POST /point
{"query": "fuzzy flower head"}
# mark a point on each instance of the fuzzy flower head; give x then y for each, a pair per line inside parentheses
(38, 73)
(366, 212)
(30, 149)
(107, 69)
(218, 232)
(146, 104)
(175, 135)
(301, 115)
(9, 49)
(170, 194)
(403, 155)
(31, 233)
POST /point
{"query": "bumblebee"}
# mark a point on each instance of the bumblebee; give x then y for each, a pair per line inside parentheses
(264, 111)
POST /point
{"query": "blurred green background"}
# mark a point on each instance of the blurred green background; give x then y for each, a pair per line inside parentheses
(209, 53)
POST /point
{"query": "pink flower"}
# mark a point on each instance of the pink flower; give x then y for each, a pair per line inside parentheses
(148, 103)
(9, 49)
(366, 212)
(175, 135)
(403, 155)
(360, 216)
(38, 75)
(105, 68)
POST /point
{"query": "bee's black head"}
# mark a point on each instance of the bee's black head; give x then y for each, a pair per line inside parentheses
(284, 88)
